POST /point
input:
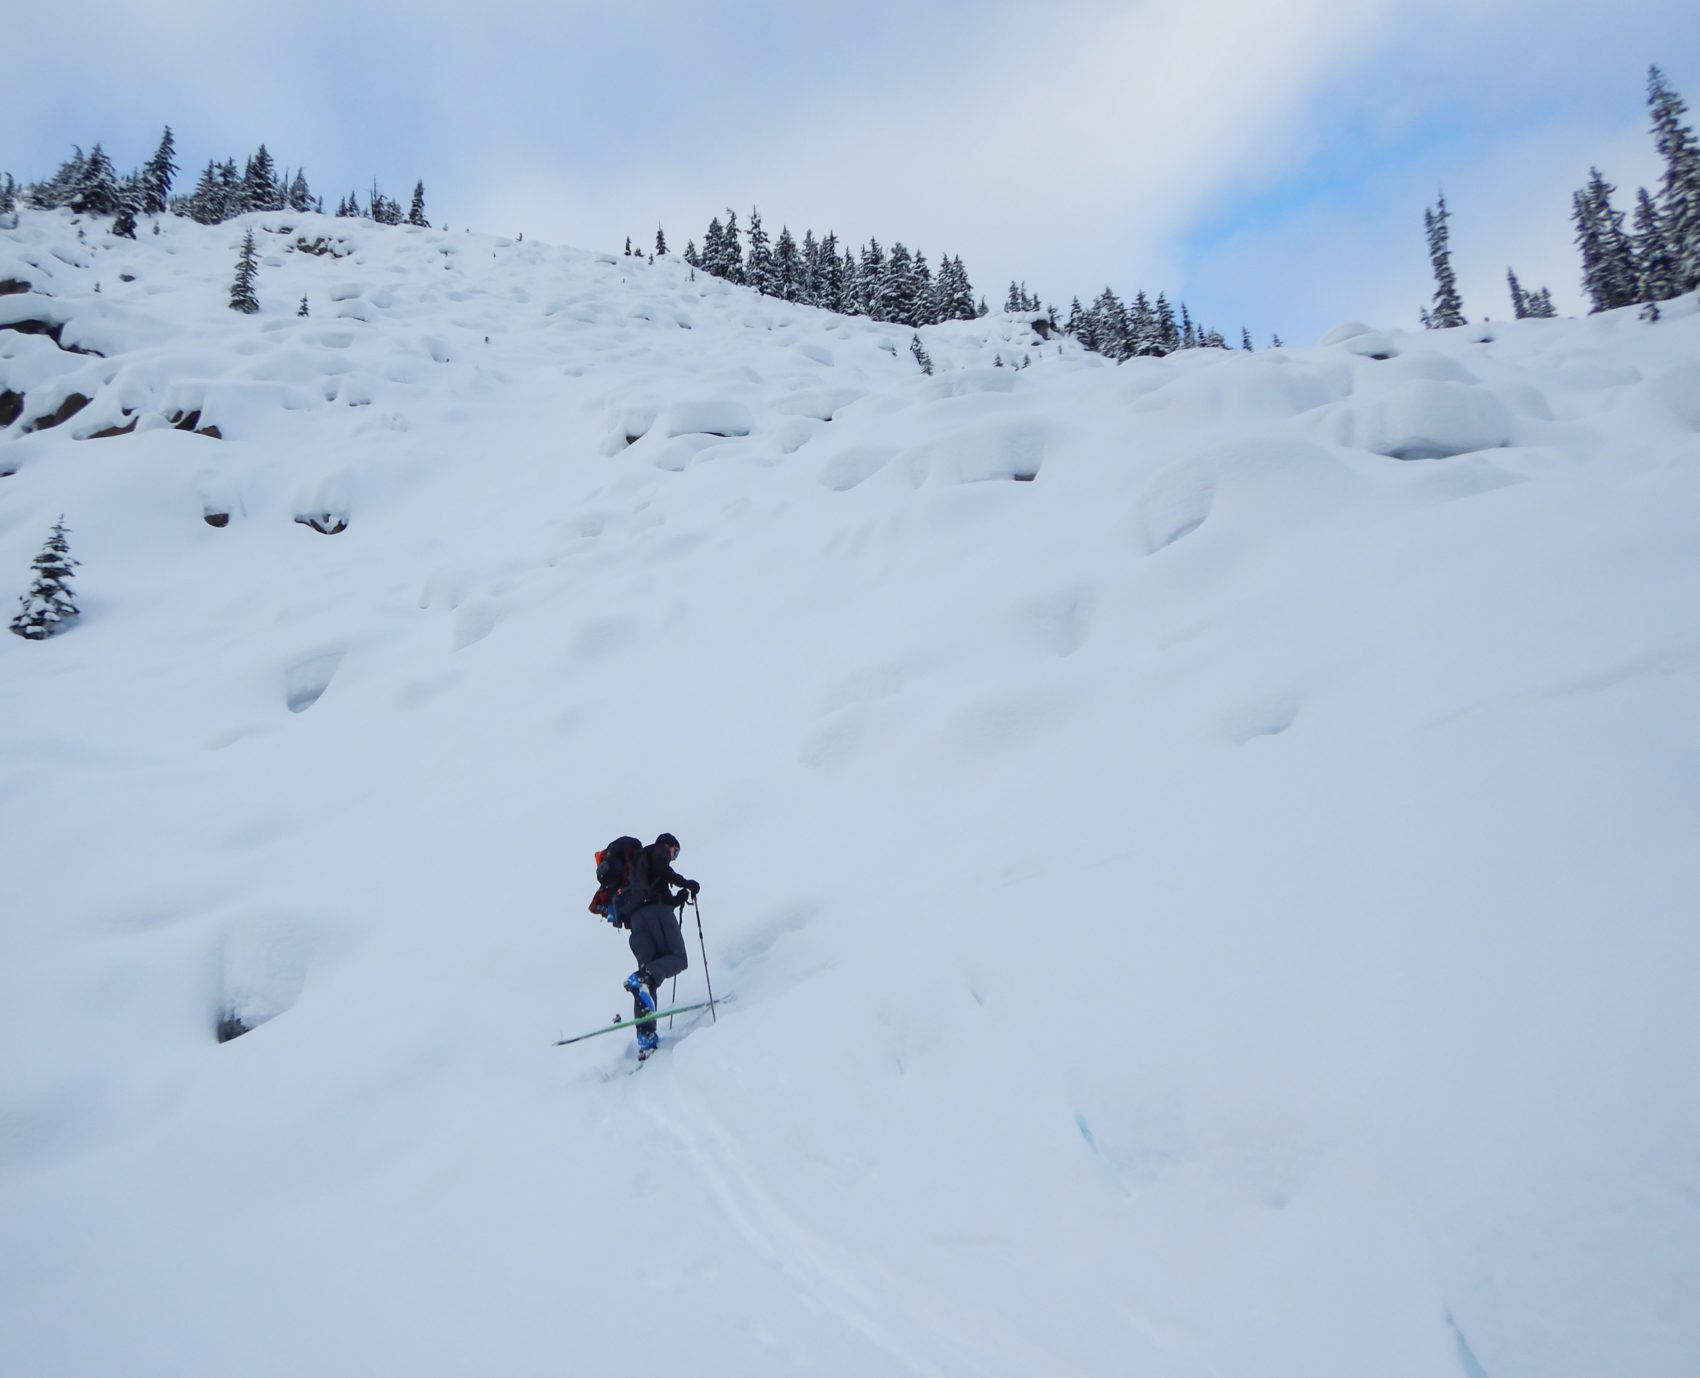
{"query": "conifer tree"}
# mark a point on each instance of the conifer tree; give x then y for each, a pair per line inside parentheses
(96, 191)
(8, 202)
(300, 198)
(1658, 274)
(1245, 339)
(850, 284)
(809, 270)
(787, 267)
(897, 294)
(758, 262)
(1110, 325)
(921, 356)
(260, 191)
(1519, 299)
(416, 212)
(690, 255)
(1679, 195)
(872, 279)
(1540, 305)
(157, 175)
(1275, 342)
(242, 296)
(204, 204)
(926, 300)
(1608, 256)
(660, 243)
(731, 251)
(1168, 336)
(47, 608)
(714, 248)
(129, 202)
(1448, 305)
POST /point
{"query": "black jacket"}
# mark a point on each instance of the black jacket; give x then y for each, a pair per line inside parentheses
(652, 878)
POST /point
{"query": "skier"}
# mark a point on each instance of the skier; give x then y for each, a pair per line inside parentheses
(657, 941)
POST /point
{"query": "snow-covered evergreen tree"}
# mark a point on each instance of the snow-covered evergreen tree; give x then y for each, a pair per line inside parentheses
(416, 212)
(8, 202)
(96, 192)
(1519, 299)
(260, 191)
(1679, 194)
(47, 608)
(758, 261)
(302, 310)
(921, 356)
(242, 297)
(1110, 325)
(787, 267)
(1608, 256)
(1448, 305)
(899, 290)
(660, 243)
(1540, 305)
(130, 196)
(731, 249)
(1169, 335)
(871, 276)
(300, 198)
(1245, 339)
(1658, 273)
(157, 175)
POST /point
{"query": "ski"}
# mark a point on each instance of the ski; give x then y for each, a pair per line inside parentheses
(622, 1023)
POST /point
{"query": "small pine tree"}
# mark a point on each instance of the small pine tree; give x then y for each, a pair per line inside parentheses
(1275, 342)
(47, 608)
(416, 212)
(157, 175)
(1245, 339)
(1541, 307)
(660, 243)
(303, 309)
(1448, 305)
(130, 197)
(8, 203)
(242, 296)
(300, 198)
(1519, 298)
(628, 246)
(920, 352)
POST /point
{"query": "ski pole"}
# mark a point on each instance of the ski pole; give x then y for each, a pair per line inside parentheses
(712, 1016)
(673, 999)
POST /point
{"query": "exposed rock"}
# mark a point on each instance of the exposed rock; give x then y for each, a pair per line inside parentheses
(10, 287)
(111, 431)
(67, 409)
(11, 407)
(1042, 328)
(230, 1026)
(216, 518)
(191, 421)
(126, 277)
(326, 523)
(53, 330)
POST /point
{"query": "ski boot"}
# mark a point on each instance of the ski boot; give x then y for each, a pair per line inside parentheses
(640, 991)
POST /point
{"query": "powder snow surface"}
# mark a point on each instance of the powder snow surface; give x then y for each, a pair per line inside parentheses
(1204, 850)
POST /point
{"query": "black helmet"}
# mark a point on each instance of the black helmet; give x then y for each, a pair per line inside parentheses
(667, 840)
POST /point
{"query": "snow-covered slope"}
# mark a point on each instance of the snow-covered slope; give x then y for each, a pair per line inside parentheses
(1203, 850)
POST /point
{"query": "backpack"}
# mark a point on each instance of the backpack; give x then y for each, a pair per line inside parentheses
(614, 865)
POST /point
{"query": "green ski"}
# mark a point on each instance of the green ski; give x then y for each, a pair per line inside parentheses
(620, 1024)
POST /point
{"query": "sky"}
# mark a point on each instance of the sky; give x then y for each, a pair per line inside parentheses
(1268, 165)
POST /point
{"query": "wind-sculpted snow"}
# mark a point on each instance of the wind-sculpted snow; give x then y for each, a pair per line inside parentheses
(1203, 847)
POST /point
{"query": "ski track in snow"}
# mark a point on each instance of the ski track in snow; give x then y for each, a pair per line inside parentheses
(1203, 847)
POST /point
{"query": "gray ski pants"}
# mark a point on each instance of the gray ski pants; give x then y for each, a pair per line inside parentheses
(658, 943)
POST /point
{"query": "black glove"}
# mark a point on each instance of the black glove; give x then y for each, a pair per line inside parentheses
(692, 886)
